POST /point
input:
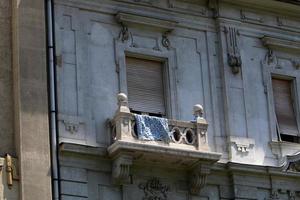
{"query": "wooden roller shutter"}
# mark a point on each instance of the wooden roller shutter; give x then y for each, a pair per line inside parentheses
(145, 86)
(284, 108)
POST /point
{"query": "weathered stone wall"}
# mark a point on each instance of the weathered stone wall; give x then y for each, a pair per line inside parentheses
(236, 97)
(6, 76)
(31, 99)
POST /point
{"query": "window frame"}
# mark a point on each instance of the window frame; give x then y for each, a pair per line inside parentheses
(270, 71)
(165, 81)
(123, 50)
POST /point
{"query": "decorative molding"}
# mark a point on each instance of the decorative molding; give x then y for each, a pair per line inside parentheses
(124, 33)
(291, 163)
(154, 189)
(271, 58)
(214, 6)
(274, 195)
(291, 195)
(190, 7)
(127, 19)
(198, 177)
(71, 124)
(165, 40)
(145, 1)
(251, 17)
(296, 63)
(278, 7)
(233, 49)
(242, 145)
(121, 169)
(281, 44)
(71, 127)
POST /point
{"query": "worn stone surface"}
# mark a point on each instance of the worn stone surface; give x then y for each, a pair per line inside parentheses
(6, 84)
(30, 98)
(215, 57)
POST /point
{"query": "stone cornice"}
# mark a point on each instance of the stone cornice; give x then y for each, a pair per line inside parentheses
(135, 19)
(280, 43)
(274, 6)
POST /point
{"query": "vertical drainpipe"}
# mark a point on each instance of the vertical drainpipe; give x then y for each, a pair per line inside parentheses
(52, 99)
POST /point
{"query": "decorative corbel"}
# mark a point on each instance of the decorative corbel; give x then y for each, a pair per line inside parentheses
(121, 170)
(165, 40)
(270, 58)
(71, 126)
(214, 6)
(233, 49)
(296, 63)
(124, 33)
(291, 163)
(198, 177)
(292, 195)
(274, 195)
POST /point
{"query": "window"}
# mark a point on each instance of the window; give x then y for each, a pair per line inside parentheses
(283, 94)
(145, 86)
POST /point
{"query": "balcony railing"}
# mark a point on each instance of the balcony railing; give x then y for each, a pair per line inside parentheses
(187, 147)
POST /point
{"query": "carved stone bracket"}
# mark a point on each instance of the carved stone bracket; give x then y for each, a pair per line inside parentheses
(289, 193)
(124, 33)
(121, 169)
(242, 145)
(270, 58)
(233, 49)
(296, 63)
(292, 163)
(214, 6)
(274, 195)
(154, 189)
(71, 127)
(165, 40)
(198, 177)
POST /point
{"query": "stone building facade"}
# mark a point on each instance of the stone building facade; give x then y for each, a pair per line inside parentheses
(25, 162)
(225, 55)
(225, 73)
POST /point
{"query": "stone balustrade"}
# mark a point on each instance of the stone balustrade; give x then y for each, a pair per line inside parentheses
(187, 148)
(183, 134)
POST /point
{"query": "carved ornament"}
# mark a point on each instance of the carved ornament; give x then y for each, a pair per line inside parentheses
(242, 145)
(124, 33)
(198, 177)
(233, 49)
(127, 19)
(121, 169)
(154, 190)
(274, 195)
(70, 126)
(296, 63)
(292, 163)
(165, 40)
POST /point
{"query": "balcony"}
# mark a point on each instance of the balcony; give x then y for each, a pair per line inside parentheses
(186, 149)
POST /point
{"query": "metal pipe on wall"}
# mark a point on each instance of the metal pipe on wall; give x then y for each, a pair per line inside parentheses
(52, 99)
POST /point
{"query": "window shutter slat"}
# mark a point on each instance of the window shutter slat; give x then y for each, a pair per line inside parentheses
(284, 108)
(145, 86)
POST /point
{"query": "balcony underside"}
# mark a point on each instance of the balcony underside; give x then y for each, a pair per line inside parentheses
(153, 153)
